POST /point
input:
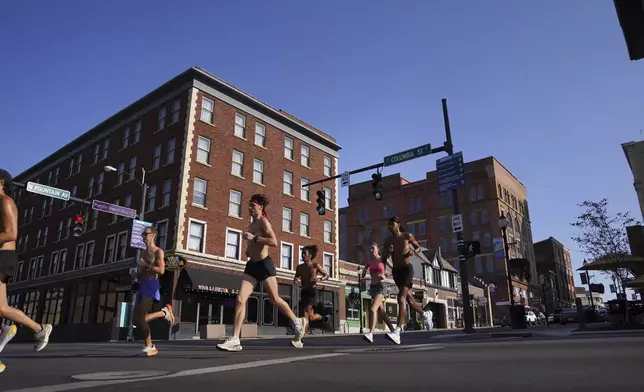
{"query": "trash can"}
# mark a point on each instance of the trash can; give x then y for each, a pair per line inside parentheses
(517, 317)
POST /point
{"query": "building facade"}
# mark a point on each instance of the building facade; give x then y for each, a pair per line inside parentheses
(206, 147)
(634, 152)
(583, 294)
(554, 264)
(426, 213)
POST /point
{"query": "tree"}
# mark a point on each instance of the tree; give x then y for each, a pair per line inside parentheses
(604, 236)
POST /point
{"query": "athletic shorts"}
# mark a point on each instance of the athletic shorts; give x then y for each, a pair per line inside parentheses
(260, 270)
(404, 276)
(309, 297)
(376, 289)
(148, 289)
(8, 264)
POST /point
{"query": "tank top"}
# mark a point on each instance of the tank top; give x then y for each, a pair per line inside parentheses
(377, 268)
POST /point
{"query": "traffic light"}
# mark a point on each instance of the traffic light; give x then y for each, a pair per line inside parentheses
(78, 225)
(377, 186)
(321, 202)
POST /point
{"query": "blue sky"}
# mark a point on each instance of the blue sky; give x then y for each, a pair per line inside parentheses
(546, 87)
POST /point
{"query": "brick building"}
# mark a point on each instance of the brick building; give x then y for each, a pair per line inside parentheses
(490, 189)
(554, 264)
(206, 148)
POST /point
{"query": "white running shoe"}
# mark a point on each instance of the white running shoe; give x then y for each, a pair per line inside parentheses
(394, 336)
(231, 344)
(42, 337)
(149, 351)
(300, 327)
(8, 333)
(368, 337)
(169, 315)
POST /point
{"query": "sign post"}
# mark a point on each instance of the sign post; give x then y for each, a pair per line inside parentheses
(136, 239)
(451, 173)
(408, 155)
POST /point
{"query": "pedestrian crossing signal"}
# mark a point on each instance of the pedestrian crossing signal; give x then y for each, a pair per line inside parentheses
(78, 225)
(321, 203)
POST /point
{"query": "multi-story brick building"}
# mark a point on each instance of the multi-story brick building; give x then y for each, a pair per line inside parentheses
(426, 212)
(206, 148)
(554, 264)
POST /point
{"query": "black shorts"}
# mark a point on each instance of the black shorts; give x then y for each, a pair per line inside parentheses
(404, 276)
(308, 297)
(8, 264)
(260, 270)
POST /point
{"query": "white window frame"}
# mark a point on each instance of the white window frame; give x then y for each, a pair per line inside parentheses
(207, 162)
(324, 231)
(261, 141)
(305, 155)
(230, 198)
(282, 244)
(156, 225)
(205, 231)
(332, 272)
(289, 149)
(76, 267)
(328, 201)
(308, 225)
(156, 156)
(194, 188)
(211, 113)
(305, 192)
(241, 125)
(116, 244)
(329, 167)
(239, 244)
(284, 209)
(261, 173)
(284, 183)
(233, 164)
(161, 118)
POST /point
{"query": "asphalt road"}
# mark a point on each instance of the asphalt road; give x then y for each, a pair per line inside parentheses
(545, 363)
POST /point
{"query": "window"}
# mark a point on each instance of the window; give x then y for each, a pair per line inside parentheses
(161, 119)
(305, 192)
(288, 183)
(287, 219)
(175, 110)
(207, 110)
(156, 157)
(233, 244)
(39, 262)
(95, 158)
(89, 255)
(203, 150)
(162, 237)
(196, 236)
(121, 245)
(165, 193)
(305, 158)
(99, 184)
(487, 240)
(328, 232)
(121, 171)
(327, 263)
(136, 137)
(114, 217)
(472, 193)
(327, 198)
(238, 163)
(126, 138)
(152, 197)
(260, 135)
(288, 148)
(93, 220)
(199, 192)
(132, 169)
(422, 228)
(235, 203)
(79, 256)
(62, 259)
(489, 263)
(474, 218)
(53, 264)
(240, 126)
(287, 256)
(484, 217)
(258, 171)
(59, 231)
(442, 225)
(480, 192)
(169, 156)
(327, 166)
(304, 224)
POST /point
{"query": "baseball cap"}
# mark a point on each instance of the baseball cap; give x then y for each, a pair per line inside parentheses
(8, 180)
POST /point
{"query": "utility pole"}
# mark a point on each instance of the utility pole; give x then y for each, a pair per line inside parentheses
(468, 318)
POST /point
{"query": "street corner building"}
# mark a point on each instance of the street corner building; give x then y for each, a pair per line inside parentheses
(202, 147)
(489, 190)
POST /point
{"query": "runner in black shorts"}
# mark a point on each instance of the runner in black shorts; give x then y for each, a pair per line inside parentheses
(307, 273)
(259, 268)
(397, 245)
(8, 264)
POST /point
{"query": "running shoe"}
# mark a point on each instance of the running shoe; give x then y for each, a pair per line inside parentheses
(231, 344)
(8, 332)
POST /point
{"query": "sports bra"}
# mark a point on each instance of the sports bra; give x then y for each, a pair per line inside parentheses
(377, 268)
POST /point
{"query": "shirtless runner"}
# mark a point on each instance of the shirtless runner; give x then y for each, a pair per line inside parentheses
(151, 266)
(8, 264)
(397, 245)
(259, 268)
(307, 273)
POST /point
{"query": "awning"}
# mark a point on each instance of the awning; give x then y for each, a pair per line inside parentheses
(205, 281)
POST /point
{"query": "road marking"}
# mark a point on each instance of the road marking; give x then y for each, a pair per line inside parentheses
(127, 375)
(184, 373)
(414, 347)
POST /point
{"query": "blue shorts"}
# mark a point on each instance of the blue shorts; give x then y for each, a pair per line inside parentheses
(148, 289)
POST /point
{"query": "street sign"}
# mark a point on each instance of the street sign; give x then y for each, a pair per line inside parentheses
(457, 223)
(46, 190)
(472, 248)
(174, 262)
(114, 209)
(345, 180)
(408, 155)
(451, 172)
(136, 239)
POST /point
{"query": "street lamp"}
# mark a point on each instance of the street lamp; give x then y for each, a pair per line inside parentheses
(503, 224)
(141, 214)
(361, 307)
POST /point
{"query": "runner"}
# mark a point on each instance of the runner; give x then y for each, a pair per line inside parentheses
(151, 266)
(307, 273)
(8, 264)
(397, 245)
(376, 268)
(259, 268)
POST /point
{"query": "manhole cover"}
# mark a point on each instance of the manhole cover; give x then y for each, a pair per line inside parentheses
(120, 375)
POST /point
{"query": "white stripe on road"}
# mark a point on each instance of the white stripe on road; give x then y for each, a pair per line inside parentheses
(184, 373)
